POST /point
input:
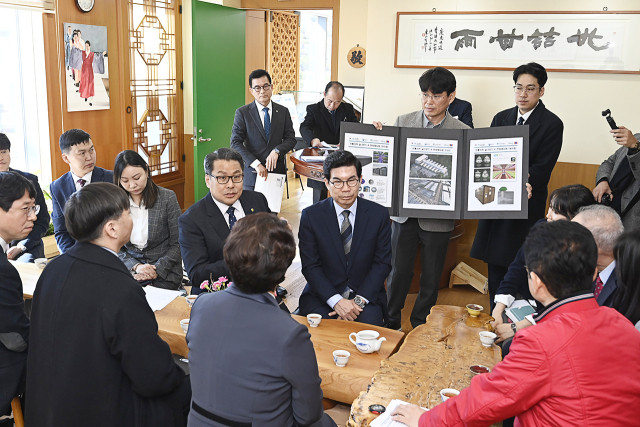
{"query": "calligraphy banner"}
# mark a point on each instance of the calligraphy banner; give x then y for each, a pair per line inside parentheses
(586, 42)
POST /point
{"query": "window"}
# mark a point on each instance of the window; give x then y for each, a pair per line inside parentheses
(23, 92)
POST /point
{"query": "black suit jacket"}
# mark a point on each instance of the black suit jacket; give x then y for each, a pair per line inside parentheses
(319, 124)
(203, 231)
(497, 240)
(40, 227)
(14, 329)
(95, 357)
(461, 110)
(61, 189)
(249, 138)
(606, 295)
(324, 263)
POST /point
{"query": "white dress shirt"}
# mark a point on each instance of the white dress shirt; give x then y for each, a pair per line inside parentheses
(526, 115)
(87, 178)
(259, 106)
(606, 273)
(3, 244)
(239, 212)
(140, 231)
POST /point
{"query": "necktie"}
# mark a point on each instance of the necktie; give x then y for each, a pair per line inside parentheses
(82, 182)
(599, 286)
(267, 122)
(520, 121)
(232, 217)
(346, 232)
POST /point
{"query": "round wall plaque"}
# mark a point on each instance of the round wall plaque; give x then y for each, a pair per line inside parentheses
(357, 57)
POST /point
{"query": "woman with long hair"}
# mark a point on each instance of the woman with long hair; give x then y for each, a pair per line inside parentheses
(153, 252)
(626, 298)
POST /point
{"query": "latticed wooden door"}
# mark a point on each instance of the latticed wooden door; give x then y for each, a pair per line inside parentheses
(154, 85)
(284, 50)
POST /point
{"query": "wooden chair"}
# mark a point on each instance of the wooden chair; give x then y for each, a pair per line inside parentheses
(18, 419)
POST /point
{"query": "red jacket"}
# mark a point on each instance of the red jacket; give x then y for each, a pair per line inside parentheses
(578, 366)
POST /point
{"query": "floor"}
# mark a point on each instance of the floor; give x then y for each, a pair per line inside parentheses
(460, 295)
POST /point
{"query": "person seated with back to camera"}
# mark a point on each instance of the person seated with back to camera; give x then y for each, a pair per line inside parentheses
(153, 253)
(251, 363)
(626, 298)
(564, 204)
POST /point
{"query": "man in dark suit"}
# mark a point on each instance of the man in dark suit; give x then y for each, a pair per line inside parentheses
(95, 357)
(17, 217)
(204, 227)
(461, 110)
(31, 247)
(345, 248)
(606, 226)
(322, 123)
(262, 132)
(497, 240)
(78, 152)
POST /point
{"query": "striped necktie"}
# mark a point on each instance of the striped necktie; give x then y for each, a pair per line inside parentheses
(520, 121)
(267, 123)
(346, 232)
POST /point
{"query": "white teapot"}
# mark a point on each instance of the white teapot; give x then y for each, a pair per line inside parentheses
(366, 341)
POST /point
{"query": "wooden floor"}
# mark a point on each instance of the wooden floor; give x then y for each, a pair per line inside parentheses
(458, 295)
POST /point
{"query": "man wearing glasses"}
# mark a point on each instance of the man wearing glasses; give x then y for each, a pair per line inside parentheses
(18, 213)
(322, 124)
(345, 248)
(497, 240)
(437, 91)
(204, 227)
(262, 132)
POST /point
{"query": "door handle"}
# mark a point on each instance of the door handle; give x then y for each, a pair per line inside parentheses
(201, 139)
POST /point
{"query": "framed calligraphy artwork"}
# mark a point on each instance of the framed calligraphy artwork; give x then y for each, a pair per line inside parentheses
(585, 42)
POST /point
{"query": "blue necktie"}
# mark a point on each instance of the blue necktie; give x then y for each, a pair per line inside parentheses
(232, 217)
(520, 121)
(346, 232)
(267, 122)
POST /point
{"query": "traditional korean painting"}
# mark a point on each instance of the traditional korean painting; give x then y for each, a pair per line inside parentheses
(86, 67)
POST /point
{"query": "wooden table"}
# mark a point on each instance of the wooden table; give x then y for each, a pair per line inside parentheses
(29, 274)
(312, 170)
(434, 356)
(169, 325)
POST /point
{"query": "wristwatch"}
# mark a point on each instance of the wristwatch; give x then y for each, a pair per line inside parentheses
(359, 301)
(514, 328)
(276, 150)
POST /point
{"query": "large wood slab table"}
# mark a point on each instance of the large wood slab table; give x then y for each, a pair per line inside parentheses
(29, 274)
(169, 325)
(434, 356)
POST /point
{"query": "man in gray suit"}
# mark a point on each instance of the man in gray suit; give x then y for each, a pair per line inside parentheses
(438, 87)
(619, 177)
(262, 132)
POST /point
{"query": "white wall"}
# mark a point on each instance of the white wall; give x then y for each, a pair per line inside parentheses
(353, 32)
(577, 98)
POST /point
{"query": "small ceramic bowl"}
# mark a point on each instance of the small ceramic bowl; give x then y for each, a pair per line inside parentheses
(448, 393)
(474, 309)
(479, 369)
(191, 299)
(184, 324)
(487, 338)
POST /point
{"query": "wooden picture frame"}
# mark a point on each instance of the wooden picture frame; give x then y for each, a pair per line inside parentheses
(582, 42)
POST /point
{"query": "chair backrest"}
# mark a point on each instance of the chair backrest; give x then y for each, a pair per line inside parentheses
(18, 418)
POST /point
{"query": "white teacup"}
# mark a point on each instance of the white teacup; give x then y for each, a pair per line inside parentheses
(191, 299)
(41, 262)
(184, 324)
(447, 393)
(314, 319)
(341, 357)
(487, 338)
(366, 341)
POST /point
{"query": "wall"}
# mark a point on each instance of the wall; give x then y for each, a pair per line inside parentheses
(353, 32)
(577, 98)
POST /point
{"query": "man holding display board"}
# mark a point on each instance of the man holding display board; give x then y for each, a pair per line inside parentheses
(438, 90)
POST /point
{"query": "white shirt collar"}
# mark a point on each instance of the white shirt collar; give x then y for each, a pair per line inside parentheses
(606, 273)
(260, 107)
(109, 250)
(224, 208)
(340, 209)
(526, 115)
(87, 178)
(3, 244)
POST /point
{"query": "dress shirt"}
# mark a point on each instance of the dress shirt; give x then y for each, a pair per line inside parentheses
(3, 244)
(259, 106)
(109, 250)
(239, 212)
(87, 178)
(606, 273)
(526, 115)
(140, 231)
(426, 123)
(352, 219)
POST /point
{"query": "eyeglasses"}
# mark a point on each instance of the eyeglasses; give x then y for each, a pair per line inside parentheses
(436, 98)
(352, 182)
(30, 210)
(264, 87)
(530, 89)
(236, 179)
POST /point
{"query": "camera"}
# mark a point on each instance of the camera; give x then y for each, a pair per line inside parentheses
(606, 199)
(607, 114)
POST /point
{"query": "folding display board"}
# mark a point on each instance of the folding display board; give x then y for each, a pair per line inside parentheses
(443, 173)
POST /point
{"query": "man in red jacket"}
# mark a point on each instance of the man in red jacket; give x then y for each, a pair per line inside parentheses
(578, 366)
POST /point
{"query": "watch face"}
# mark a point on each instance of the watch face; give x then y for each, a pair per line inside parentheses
(85, 5)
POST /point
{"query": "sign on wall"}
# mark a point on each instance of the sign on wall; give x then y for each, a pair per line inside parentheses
(601, 42)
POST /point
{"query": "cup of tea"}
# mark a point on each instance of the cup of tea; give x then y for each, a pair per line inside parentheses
(341, 357)
(474, 309)
(184, 324)
(479, 369)
(487, 338)
(191, 299)
(41, 263)
(448, 393)
(314, 319)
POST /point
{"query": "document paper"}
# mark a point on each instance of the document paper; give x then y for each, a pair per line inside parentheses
(272, 188)
(159, 298)
(384, 420)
